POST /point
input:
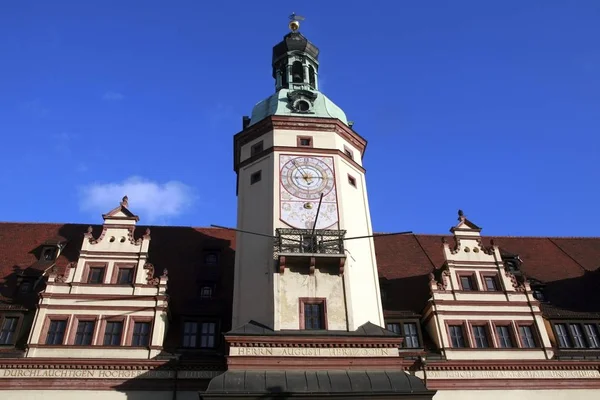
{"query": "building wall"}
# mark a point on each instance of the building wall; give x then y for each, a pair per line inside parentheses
(360, 273)
(254, 264)
(295, 284)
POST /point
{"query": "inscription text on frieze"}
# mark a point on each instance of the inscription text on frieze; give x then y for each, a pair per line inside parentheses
(312, 352)
(104, 374)
(549, 374)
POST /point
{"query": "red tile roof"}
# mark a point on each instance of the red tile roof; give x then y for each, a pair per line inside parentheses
(569, 266)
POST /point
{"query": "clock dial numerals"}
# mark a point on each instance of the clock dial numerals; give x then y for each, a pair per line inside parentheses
(303, 180)
(307, 177)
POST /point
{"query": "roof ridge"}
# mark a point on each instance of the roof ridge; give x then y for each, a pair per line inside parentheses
(223, 229)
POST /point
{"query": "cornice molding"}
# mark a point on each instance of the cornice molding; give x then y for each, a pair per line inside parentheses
(295, 123)
(314, 342)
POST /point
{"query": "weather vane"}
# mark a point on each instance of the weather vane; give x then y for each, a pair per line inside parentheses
(295, 21)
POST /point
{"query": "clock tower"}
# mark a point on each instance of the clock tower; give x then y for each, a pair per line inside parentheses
(305, 258)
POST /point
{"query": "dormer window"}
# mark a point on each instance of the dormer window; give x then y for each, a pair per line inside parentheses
(48, 253)
(538, 291)
(25, 286)
(538, 294)
(211, 259)
(206, 292)
(512, 263)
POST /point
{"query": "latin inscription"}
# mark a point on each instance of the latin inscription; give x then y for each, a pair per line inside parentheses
(553, 374)
(312, 352)
(104, 374)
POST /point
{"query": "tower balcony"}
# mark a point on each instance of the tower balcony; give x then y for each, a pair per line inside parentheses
(305, 248)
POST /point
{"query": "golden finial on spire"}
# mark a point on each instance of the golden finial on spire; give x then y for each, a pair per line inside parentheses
(294, 24)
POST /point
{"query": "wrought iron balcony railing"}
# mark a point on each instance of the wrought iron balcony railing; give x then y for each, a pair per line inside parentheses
(304, 241)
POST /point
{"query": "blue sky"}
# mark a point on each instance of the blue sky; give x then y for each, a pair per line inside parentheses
(492, 107)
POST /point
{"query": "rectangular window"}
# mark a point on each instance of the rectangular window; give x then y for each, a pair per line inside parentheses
(457, 338)
(190, 334)
(411, 337)
(348, 152)
(504, 337)
(96, 275)
(85, 333)
(25, 287)
(564, 340)
(113, 333)
(49, 253)
(255, 177)
(206, 292)
(313, 313)
(304, 141)
(481, 337)
(207, 334)
(408, 330)
(125, 276)
(352, 180)
(141, 334)
(491, 283)
(199, 334)
(526, 335)
(56, 332)
(577, 336)
(314, 316)
(211, 258)
(591, 333)
(466, 282)
(393, 328)
(256, 148)
(8, 330)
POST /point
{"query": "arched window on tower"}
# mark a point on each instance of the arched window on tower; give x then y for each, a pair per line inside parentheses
(284, 76)
(311, 77)
(297, 72)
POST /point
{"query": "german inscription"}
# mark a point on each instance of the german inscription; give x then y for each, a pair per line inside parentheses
(312, 352)
(104, 374)
(551, 374)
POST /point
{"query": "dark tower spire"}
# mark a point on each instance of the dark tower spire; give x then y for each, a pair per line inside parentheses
(295, 60)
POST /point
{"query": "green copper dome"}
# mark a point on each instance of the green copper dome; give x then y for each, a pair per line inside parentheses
(280, 104)
(296, 71)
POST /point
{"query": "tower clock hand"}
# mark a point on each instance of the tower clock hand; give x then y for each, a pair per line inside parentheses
(302, 170)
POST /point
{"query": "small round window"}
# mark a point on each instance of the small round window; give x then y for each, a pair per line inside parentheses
(302, 105)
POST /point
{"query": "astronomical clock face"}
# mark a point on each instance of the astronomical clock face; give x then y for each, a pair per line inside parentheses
(303, 179)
